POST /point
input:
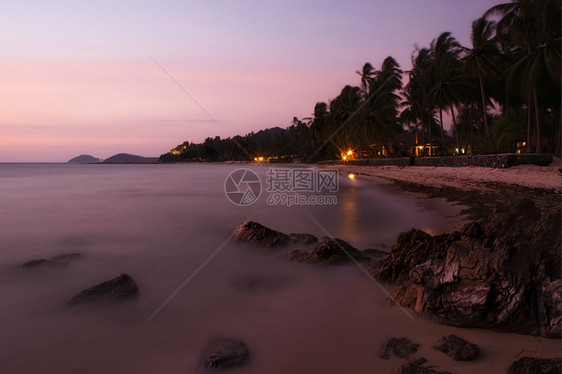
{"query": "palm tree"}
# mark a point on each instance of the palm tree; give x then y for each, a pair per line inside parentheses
(445, 74)
(533, 27)
(319, 122)
(479, 61)
(366, 74)
(342, 118)
(418, 88)
(380, 115)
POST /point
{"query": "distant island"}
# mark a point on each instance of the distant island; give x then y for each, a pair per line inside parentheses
(120, 158)
(126, 158)
(84, 159)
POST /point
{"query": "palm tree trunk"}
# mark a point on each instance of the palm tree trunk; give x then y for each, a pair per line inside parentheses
(506, 110)
(442, 132)
(423, 133)
(529, 107)
(484, 111)
(537, 122)
(455, 129)
(558, 136)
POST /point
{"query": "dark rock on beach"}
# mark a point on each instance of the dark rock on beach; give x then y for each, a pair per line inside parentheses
(119, 288)
(33, 263)
(502, 273)
(415, 367)
(255, 233)
(532, 365)
(399, 347)
(328, 252)
(458, 348)
(224, 354)
(56, 260)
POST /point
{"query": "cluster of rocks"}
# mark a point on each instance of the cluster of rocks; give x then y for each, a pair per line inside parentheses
(458, 348)
(326, 250)
(254, 233)
(502, 274)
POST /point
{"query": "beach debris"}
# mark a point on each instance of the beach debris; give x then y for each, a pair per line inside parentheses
(415, 367)
(399, 347)
(330, 251)
(55, 261)
(224, 354)
(255, 233)
(119, 288)
(526, 365)
(502, 273)
(458, 348)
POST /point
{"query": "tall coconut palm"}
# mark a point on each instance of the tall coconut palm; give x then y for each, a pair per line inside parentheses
(319, 125)
(480, 60)
(343, 116)
(366, 74)
(445, 74)
(380, 114)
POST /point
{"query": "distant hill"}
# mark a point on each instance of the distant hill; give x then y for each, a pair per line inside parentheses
(125, 158)
(85, 159)
(266, 135)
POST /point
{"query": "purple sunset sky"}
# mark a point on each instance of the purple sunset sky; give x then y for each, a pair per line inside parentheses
(77, 76)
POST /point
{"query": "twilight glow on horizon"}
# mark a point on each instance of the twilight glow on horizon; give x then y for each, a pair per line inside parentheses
(78, 77)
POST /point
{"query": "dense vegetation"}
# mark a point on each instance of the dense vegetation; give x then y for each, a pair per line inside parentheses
(501, 90)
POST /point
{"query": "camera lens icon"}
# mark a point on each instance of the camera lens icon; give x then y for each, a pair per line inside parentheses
(242, 187)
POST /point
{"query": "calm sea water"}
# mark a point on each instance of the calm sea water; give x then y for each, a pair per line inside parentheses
(159, 223)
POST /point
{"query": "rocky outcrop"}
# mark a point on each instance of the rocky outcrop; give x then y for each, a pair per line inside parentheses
(119, 288)
(458, 348)
(328, 252)
(54, 261)
(503, 273)
(399, 347)
(255, 233)
(224, 354)
(531, 365)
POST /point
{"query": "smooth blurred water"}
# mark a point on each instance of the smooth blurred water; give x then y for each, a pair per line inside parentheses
(159, 223)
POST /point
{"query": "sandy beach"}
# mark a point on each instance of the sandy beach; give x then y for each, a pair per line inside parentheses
(546, 178)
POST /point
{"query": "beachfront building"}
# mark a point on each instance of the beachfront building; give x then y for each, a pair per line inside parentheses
(421, 145)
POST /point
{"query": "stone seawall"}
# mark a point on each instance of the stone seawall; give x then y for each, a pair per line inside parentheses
(505, 160)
